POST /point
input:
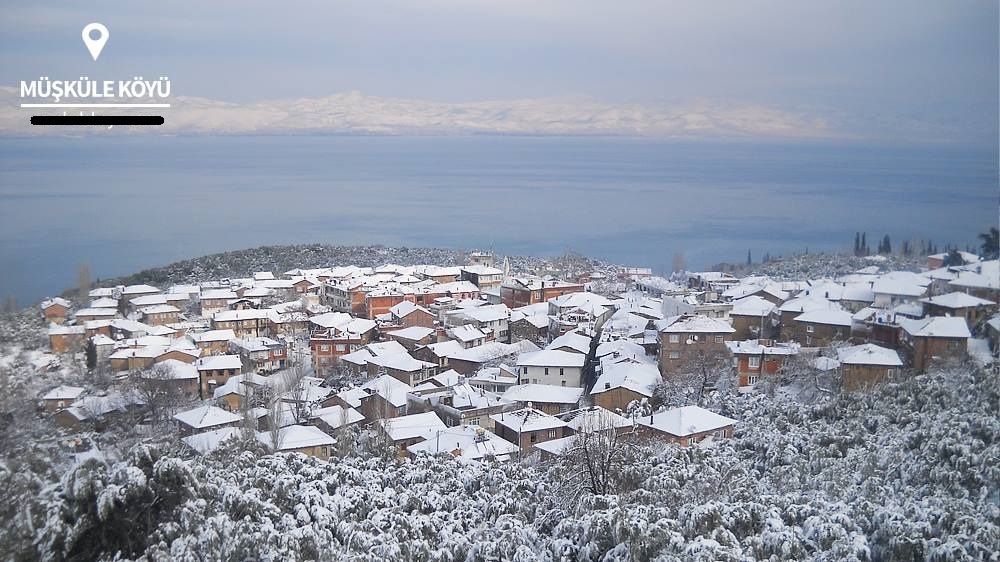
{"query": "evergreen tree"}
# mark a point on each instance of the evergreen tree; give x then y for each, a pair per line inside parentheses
(749, 260)
(990, 247)
(857, 243)
(863, 249)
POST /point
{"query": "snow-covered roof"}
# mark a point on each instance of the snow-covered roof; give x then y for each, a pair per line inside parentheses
(178, 370)
(637, 377)
(207, 416)
(296, 437)
(697, 324)
(445, 348)
(482, 270)
(400, 362)
(830, 316)
(528, 419)
(352, 396)
(491, 350)
(826, 363)
(159, 309)
(139, 290)
(594, 418)
(104, 302)
(557, 446)
(957, 300)
(245, 314)
(213, 336)
(752, 306)
(806, 304)
(467, 442)
(365, 354)
(389, 388)
(967, 257)
(412, 426)
(466, 333)
(90, 312)
(623, 348)
(48, 303)
(337, 416)
(754, 347)
(868, 354)
(63, 393)
(551, 358)
(405, 308)
(413, 333)
(215, 362)
(901, 286)
(543, 394)
(937, 327)
(218, 294)
(575, 341)
(484, 313)
(208, 441)
(685, 421)
(63, 330)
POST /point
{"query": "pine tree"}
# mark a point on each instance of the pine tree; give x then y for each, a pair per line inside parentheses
(749, 260)
(863, 249)
(857, 243)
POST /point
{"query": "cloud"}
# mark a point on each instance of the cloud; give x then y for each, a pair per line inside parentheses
(355, 113)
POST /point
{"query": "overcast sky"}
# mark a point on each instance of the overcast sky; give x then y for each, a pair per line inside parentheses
(864, 64)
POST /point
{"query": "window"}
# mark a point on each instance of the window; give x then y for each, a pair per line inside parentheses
(552, 434)
(810, 328)
(564, 383)
(675, 338)
(546, 370)
(324, 348)
(561, 371)
(953, 345)
(809, 340)
(474, 421)
(675, 355)
(755, 362)
(524, 370)
(340, 347)
(752, 379)
(534, 437)
(718, 339)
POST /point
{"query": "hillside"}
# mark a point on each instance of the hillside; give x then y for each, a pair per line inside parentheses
(909, 472)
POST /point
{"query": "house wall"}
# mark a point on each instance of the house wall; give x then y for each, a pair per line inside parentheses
(674, 356)
(770, 364)
(748, 327)
(529, 439)
(924, 350)
(650, 433)
(821, 335)
(557, 376)
(860, 377)
(220, 376)
(56, 313)
(616, 398)
(418, 318)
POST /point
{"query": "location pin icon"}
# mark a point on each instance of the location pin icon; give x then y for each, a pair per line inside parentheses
(95, 45)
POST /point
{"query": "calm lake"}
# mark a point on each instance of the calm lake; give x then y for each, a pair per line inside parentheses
(123, 204)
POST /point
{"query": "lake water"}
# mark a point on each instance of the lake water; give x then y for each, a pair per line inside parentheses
(123, 204)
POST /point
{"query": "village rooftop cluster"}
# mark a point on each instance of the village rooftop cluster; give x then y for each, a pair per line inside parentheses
(477, 361)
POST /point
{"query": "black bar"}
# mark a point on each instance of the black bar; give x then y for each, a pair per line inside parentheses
(96, 120)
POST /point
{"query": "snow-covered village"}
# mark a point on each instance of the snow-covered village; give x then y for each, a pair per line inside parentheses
(500, 408)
